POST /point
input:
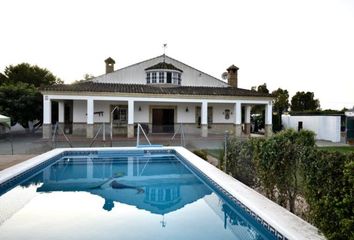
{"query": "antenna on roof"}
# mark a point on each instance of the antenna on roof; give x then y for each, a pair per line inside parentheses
(164, 51)
(224, 76)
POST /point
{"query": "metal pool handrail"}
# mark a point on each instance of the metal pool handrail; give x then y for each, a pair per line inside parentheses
(103, 134)
(138, 135)
(56, 128)
(181, 131)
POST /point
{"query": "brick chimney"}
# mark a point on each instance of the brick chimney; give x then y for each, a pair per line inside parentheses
(232, 75)
(109, 65)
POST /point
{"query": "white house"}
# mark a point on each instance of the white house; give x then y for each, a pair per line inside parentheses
(160, 93)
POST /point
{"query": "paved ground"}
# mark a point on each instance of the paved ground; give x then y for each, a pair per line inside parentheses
(10, 160)
(322, 143)
(27, 145)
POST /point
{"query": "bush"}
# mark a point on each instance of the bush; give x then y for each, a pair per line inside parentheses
(278, 164)
(201, 153)
(240, 157)
(289, 164)
(329, 192)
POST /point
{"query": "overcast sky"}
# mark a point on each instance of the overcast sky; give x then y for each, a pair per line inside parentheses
(299, 45)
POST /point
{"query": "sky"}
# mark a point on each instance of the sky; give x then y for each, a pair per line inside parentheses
(298, 45)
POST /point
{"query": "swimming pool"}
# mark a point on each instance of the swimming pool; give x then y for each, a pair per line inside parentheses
(128, 193)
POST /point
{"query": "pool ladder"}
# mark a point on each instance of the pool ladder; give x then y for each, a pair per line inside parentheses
(140, 128)
(180, 130)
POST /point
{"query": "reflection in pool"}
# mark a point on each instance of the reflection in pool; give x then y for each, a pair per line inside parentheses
(127, 197)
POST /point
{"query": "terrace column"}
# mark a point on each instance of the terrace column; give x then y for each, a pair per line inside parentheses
(204, 120)
(61, 113)
(248, 120)
(238, 126)
(268, 127)
(130, 127)
(89, 122)
(47, 118)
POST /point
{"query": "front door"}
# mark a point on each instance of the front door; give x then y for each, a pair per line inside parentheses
(163, 120)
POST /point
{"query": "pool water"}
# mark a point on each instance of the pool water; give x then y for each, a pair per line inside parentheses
(121, 196)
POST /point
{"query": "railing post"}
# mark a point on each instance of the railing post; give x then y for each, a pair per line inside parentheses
(54, 135)
(225, 149)
(104, 134)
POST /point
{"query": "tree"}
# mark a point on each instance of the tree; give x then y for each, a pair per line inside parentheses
(302, 101)
(281, 101)
(86, 77)
(259, 119)
(261, 88)
(280, 105)
(20, 98)
(21, 101)
(31, 74)
(3, 78)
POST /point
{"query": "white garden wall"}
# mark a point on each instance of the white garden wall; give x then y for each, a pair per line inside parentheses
(325, 127)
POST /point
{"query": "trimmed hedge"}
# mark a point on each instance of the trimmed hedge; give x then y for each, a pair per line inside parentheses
(329, 185)
(287, 165)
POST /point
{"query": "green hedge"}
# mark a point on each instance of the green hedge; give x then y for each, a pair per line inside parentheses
(240, 162)
(329, 185)
(289, 164)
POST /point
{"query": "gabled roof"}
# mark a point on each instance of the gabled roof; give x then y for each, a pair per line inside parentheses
(163, 65)
(90, 86)
(135, 74)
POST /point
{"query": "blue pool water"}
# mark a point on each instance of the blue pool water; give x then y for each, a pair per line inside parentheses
(121, 196)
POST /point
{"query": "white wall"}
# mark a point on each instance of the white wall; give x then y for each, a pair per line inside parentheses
(219, 109)
(80, 110)
(143, 115)
(186, 117)
(325, 127)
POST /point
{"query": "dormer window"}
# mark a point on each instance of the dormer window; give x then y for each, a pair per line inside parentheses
(161, 77)
(148, 77)
(176, 78)
(163, 73)
(153, 78)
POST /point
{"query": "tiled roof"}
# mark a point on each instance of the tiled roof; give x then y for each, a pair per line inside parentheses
(163, 65)
(89, 86)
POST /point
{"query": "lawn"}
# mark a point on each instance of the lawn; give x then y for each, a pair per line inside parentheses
(214, 152)
(343, 149)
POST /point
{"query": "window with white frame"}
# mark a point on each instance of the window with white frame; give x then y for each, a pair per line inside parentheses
(175, 78)
(120, 114)
(161, 77)
(153, 78)
(148, 77)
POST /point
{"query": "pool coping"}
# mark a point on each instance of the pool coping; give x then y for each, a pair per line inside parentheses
(286, 223)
